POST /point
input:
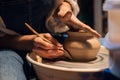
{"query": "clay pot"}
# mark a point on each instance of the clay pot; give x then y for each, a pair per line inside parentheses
(82, 46)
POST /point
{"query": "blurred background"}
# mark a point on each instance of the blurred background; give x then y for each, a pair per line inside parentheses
(91, 13)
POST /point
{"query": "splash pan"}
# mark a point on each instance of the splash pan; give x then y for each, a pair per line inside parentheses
(60, 70)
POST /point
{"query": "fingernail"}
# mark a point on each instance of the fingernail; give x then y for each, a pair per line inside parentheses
(60, 52)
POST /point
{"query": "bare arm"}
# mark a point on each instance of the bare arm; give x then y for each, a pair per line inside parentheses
(17, 42)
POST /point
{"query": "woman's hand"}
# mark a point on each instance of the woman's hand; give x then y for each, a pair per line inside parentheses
(45, 49)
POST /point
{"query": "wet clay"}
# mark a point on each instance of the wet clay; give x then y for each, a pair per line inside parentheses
(82, 46)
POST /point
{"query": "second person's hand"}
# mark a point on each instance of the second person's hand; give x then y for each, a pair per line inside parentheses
(66, 16)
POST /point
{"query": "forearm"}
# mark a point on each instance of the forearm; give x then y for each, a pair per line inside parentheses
(17, 42)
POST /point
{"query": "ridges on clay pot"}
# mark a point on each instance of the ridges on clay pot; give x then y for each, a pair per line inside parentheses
(82, 46)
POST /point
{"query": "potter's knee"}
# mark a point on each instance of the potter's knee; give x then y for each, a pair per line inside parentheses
(9, 55)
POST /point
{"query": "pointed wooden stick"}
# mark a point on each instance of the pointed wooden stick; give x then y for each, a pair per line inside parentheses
(36, 33)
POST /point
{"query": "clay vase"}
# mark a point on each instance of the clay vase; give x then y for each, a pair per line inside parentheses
(82, 46)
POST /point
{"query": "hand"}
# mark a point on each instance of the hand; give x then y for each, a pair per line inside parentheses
(50, 50)
(66, 16)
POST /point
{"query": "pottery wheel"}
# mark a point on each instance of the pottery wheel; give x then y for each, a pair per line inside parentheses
(99, 64)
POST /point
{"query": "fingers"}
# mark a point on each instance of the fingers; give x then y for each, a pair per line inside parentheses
(49, 54)
(53, 40)
(38, 42)
(93, 32)
(46, 49)
(76, 24)
(66, 16)
(89, 30)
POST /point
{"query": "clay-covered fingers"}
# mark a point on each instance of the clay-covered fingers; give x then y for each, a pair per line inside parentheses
(93, 32)
(66, 16)
(89, 29)
(74, 23)
(49, 54)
